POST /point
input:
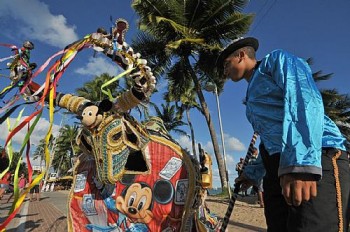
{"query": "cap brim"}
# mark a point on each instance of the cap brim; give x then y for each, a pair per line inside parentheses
(249, 41)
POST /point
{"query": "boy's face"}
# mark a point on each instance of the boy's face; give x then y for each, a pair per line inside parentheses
(233, 67)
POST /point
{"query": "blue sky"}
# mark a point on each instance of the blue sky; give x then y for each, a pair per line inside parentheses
(317, 29)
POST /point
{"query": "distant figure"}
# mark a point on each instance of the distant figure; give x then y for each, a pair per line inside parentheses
(36, 188)
(239, 166)
(47, 187)
(52, 187)
(261, 194)
(239, 169)
(4, 162)
(5, 183)
(258, 188)
(22, 182)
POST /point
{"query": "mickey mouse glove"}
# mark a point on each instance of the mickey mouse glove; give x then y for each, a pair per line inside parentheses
(145, 83)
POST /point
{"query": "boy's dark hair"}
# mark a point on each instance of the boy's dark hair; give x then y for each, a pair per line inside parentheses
(248, 50)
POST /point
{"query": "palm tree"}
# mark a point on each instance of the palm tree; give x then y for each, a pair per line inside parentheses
(188, 35)
(187, 101)
(170, 119)
(337, 107)
(4, 162)
(92, 89)
(23, 166)
(66, 148)
(40, 149)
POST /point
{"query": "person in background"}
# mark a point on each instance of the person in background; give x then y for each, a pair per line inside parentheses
(36, 188)
(4, 162)
(254, 172)
(22, 182)
(239, 167)
(257, 187)
(261, 194)
(11, 187)
(306, 185)
(5, 184)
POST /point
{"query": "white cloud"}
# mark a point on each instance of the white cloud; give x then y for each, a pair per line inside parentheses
(37, 22)
(230, 162)
(208, 147)
(38, 133)
(233, 144)
(98, 65)
(185, 142)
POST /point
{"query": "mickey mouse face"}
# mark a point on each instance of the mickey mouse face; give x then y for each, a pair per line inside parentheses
(90, 116)
(136, 204)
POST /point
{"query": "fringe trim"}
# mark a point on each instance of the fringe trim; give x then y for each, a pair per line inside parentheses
(338, 190)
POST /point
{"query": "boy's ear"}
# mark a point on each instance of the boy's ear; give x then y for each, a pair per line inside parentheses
(105, 105)
(241, 54)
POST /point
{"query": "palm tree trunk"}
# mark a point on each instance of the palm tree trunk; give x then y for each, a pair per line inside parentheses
(212, 132)
(52, 155)
(72, 154)
(192, 133)
(59, 167)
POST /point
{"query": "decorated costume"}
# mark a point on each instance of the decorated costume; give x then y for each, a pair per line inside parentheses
(131, 176)
(20, 67)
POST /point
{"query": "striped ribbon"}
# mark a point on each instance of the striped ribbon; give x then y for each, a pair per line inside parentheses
(233, 199)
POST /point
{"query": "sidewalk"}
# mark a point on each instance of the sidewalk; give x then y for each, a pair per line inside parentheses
(48, 214)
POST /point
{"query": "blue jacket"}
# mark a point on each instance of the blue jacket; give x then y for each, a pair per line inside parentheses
(255, 170)
(285, 107)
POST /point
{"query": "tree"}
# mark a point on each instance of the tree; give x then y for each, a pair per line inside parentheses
(4, 162)
(188, 36)
(66, 148)
(91, 90)
(337, 107)
(22, 165)
(170, 120)
(184, 102)
(40, 149)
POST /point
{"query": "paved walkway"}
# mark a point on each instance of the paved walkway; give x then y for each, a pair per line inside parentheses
(48, 214)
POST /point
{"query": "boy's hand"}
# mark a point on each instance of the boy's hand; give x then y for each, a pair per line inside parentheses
(298, 187)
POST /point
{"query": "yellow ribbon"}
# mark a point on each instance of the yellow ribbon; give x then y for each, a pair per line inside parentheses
(108, 92)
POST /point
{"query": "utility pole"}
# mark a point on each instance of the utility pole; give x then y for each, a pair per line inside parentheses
(52, 153)
(211, 87)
